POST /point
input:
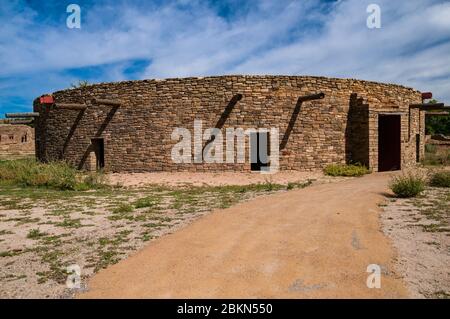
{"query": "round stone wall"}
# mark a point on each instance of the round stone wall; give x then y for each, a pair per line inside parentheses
(137, 135)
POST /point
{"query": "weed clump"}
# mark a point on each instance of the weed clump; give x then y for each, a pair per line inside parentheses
(346, 170)
(407, 185)
(440, 179)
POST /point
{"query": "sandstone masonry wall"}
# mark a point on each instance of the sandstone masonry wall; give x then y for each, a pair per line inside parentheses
(342, 127)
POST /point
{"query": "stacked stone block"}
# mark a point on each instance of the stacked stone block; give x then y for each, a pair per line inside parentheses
(340, 128)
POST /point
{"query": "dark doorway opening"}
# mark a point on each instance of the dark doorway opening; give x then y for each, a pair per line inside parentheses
(259, 150)
(417, 148)
(98, 146)
(389, 146)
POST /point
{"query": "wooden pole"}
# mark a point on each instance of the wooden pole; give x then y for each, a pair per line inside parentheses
(311, 97)
(443, 113)
(428, 106)
(21, 115)
(23, 122)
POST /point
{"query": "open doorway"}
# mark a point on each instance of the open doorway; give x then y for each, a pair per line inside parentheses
(389, 146)
(98, 146)
(417, 148)
(259, 151)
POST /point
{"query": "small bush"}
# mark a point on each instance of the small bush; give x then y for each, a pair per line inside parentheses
(440, 179)
(346, 170)
(407, 185)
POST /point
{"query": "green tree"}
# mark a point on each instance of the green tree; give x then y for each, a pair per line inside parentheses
(437, 124)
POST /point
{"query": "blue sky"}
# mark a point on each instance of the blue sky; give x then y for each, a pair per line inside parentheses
(121, 40)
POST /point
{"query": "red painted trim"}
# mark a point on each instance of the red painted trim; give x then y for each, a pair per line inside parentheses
(427, 95)
(46, 99)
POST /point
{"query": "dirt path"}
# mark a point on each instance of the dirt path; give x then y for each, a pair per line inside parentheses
(314, 242)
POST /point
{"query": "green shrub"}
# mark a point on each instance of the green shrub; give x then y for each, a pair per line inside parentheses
(62, 176)
(57, 175)
(94, 179)
(440, 179)
(346, 170)
(407, 185)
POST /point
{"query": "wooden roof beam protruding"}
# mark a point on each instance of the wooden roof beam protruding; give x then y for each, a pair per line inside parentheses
(442, 113)
(21, 121)
(436, 108)
(70, 106)
(108, 102)
(427, 106)
(22, 115)
(310, 97)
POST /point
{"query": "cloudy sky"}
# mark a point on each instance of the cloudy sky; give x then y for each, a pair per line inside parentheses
(121, 40)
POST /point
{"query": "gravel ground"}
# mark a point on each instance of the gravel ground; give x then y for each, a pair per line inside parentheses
(42, 232)
(419, 228)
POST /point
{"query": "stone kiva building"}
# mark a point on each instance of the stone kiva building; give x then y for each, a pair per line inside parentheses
(127, 126)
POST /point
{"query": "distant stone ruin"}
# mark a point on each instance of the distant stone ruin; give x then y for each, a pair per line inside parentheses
(16, 141)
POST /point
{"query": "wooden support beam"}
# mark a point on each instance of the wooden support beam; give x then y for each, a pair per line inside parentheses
(427, 106)
(22, 115)
(16, 121)
(21, 121)
(70, 106)
(443, 113)
(108, 102)
(424, 107)
(311, 97)
(435, 108)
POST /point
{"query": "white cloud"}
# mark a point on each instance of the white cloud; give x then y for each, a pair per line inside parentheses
(188, 38)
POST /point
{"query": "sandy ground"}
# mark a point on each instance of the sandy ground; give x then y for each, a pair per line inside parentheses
(211, 179)
(82, 228)
(419, 229)
(313, 242)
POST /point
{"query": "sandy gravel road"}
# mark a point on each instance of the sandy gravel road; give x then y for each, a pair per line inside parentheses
(308, 243)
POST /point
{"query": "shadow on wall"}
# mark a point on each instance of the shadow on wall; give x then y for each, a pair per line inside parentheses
(357, 131)
(39, 123)
(99, 132)
(71, 132)
(290, 126)
(223, 117)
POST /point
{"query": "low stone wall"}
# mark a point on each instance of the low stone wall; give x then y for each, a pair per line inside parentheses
(16, 140)
(340, 128)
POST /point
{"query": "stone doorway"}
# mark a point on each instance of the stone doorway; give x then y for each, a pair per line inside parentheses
(389, 144)
(259, 151)
(98, 147)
